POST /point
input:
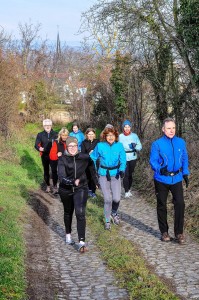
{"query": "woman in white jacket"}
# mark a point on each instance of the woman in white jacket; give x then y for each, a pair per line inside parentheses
(131, 145)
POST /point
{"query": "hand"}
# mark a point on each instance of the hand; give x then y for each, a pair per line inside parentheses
(41, 149)
(59, 154)
(121, 173)
(133, 145)
(186, 179)
(77, 182)
(164, 171)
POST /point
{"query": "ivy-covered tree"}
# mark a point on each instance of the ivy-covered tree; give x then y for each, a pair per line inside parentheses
(189, 29)
(119, 81)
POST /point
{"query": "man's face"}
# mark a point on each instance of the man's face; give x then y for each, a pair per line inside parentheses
(169, 129)
(47, 128)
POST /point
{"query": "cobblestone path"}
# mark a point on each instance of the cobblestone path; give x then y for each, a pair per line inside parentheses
(65, 272)
(179, 263)
(58, 271)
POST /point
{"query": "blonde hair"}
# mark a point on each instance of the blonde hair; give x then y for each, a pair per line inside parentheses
(65, 131)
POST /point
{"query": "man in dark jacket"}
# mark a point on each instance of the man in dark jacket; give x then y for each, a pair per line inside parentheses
(43, 144)
(169, 161)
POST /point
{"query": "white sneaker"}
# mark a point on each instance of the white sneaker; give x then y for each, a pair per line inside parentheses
(126, 195)
(69, 241)
(130, 194)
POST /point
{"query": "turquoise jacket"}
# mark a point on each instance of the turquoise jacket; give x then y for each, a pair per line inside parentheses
(109, 156)
(171, 153)
(79, 136)
(127, 141)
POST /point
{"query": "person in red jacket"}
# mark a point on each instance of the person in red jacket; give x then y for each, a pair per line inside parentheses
(43, 144)
(57, 150)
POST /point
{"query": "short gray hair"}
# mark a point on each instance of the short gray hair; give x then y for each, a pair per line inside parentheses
(168, 120)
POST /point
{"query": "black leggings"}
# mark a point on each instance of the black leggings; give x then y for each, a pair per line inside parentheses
(75, 200)
(128, 177)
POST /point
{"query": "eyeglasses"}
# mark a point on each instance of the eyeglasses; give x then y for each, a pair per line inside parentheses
(110, 136)
(71, 147)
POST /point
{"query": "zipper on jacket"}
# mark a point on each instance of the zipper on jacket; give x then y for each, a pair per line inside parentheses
(173, 156)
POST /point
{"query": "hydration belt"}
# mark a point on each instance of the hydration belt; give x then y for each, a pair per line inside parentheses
(107, 171)
(174, 172)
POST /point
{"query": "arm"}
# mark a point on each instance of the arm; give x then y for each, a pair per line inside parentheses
(83, 148)
(122, 159)
(185, 161)
(38, 143)
(155, 158)
(138, 146)
(95, 155)
(64, 180)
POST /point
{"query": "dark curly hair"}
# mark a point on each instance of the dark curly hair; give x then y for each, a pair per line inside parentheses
(106, 131)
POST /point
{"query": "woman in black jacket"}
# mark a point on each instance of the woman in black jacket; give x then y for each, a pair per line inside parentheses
(88, 146)
(73, 189)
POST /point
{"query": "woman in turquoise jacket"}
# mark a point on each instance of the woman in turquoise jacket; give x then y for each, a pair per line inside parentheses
(78, 134)
(112, 164)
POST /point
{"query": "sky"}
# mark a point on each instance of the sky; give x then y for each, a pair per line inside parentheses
(54, 15)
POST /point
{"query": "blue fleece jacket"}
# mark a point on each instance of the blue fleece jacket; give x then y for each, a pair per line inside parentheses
(171, 153)
(127, 141)
(109, 156)
(79, 136)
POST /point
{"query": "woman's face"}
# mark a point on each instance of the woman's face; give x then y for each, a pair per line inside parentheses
(90, 135)
(127, 128)
(75, 129)
(72, 149)
(110, 138)
(64, 137)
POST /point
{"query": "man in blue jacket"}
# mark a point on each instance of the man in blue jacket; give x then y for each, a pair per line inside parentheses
(169, 161)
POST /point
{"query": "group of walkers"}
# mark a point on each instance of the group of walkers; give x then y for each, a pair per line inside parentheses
(83, 163)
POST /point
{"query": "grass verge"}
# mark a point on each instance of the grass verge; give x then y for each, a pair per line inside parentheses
(19, 172)
(121, 256)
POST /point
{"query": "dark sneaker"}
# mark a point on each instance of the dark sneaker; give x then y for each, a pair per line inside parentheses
(180, 239)
(115, 219)
(90, 194)
(165, 237)
(107, 226)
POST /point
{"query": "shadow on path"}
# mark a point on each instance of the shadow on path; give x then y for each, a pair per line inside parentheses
(37, 203)
(139, 225)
